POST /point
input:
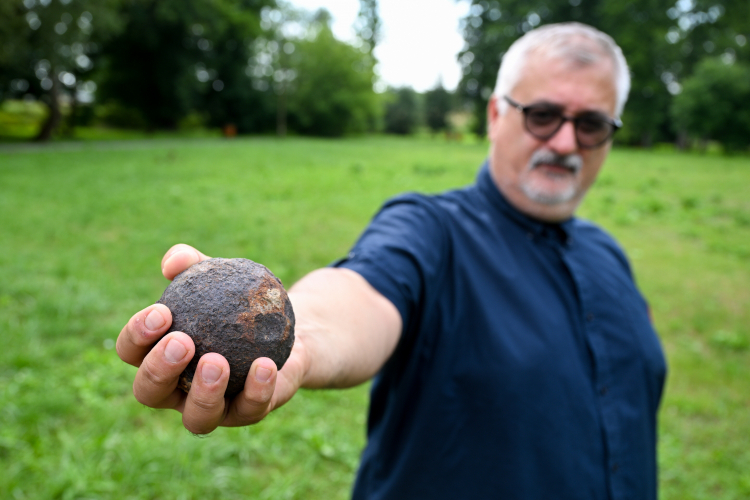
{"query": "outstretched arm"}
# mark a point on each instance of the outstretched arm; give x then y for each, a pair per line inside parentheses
(348, 328)
(345, 331)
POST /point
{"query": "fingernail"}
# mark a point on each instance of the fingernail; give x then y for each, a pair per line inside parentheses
(174, 351)
(262, 374)
(210, 373)
(154, 320)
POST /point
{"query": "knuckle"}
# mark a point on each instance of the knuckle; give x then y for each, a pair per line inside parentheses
(246, 418)
(126, 352)
(251, 412)
(140, 396)
(155, 377)
(136, 331)
(251, 418)
(205, 405)
(202, 415)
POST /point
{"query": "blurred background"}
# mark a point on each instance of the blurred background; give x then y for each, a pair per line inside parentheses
(274, 131)
(75, 68)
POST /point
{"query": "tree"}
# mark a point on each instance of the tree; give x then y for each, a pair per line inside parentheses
(713, 103)
(175, 56)
(14, 31)
(333, 89)
(695, 29)
(321, 86)
(50, 48)
(270, 65)
(438, 103)
(702, 28)
(230, 97)
(402, 112)
(368, 24)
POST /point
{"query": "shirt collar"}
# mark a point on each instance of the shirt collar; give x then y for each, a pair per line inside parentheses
(560, 232)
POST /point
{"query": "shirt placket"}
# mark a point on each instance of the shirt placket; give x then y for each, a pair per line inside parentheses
(604, 377)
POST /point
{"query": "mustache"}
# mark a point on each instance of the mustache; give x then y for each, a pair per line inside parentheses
(545, 157)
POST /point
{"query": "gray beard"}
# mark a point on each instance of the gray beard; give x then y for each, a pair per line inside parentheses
(573, 162)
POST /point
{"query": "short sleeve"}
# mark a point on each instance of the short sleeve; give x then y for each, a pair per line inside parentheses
(402, 253)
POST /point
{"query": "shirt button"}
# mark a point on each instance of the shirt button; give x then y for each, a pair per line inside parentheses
(589, 317)
(603, 391)
(615, 467)
(530, 235)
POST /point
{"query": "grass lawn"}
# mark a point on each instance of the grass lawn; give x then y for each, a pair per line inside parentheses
(83, 228)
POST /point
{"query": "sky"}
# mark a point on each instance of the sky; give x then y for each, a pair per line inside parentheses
(419, 38)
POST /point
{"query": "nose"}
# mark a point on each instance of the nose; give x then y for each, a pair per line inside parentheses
(564, 141)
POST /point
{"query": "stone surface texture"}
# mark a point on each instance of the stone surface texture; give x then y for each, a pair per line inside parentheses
(234, 307)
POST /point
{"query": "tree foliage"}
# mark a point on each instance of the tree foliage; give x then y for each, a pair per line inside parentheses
(368, 24)
(438, 102)
(49, 49)
(320, 85)
(157, 64)
(402, 111)
(174, 56)
(713, 103)
(333, 90)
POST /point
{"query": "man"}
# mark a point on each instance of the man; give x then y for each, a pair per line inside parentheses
(513, 355)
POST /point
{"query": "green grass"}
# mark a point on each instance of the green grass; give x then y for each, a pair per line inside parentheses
(83, 228)
(101, 133)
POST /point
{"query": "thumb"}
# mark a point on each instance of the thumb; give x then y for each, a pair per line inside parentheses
(178, 258)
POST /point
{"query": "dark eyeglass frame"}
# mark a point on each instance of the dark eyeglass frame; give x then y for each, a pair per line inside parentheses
(614, 123)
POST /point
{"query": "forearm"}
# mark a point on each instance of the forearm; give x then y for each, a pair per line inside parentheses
(348, 329)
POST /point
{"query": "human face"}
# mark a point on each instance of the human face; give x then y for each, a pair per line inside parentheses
(547, 179)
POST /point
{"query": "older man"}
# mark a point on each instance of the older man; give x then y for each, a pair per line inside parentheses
(513, 355)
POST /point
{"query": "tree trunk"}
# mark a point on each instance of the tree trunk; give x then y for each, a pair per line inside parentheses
(69, 124)
(281, 112)
(682, 140)
(53, 119)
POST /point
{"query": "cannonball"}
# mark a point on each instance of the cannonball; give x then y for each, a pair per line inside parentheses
(234, 307)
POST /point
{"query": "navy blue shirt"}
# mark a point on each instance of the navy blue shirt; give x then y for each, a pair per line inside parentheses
(527, 368)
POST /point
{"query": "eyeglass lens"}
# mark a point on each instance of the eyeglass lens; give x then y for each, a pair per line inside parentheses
(591, 129)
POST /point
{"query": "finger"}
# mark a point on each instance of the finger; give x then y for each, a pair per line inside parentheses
(255, 401)
(253, 404)
(205, 404)
(178, 258)
(155, 382)
(143, 330)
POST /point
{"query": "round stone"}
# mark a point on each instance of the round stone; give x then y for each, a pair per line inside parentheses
(234, 307)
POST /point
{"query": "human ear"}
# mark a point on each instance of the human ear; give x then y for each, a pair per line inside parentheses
(493, 113)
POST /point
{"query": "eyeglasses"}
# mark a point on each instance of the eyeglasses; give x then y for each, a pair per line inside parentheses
(545, 120)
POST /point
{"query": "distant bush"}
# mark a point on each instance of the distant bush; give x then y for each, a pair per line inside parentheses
(21, 119)
(193, 121)
(119, 115)
(438, 102)
(713, 103)
(401, 111)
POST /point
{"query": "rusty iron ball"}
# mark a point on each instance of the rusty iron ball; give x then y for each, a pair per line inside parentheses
(233, 307)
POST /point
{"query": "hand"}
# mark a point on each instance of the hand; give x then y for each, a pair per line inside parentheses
(204, 408)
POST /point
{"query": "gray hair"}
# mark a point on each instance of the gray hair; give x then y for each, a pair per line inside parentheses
(570, 41)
